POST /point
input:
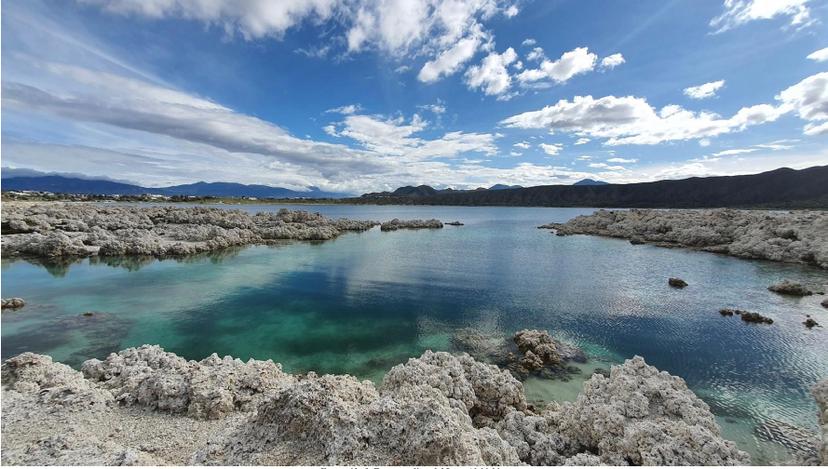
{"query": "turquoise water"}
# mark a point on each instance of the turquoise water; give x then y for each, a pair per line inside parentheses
(366, 301)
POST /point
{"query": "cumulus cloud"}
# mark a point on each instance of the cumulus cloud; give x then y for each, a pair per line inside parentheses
(622, 160)
(582, 141)
(516, 153)
(819, 55)
(528, 42)
(583, 158)
(707, 90)
(524, 145)
(437, 108)
(739, 12)
(536, 54)
(347, 109)
(491, 75)
(551, 149)
(611, 61)
(632, 120)
(577, 61)
(606, 167)
(450, 60)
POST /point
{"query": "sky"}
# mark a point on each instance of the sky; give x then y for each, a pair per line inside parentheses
(355, 96)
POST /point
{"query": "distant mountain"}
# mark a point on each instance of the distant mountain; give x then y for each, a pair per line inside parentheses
(590, 182)
(781, 188)
(411, 191)
(75, 185)
(500, 187)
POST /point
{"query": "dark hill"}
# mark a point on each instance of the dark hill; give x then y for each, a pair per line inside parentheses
(782, 188)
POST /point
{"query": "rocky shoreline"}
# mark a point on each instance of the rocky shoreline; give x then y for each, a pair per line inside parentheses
(66, 230)
(796, 237)
(147, 406)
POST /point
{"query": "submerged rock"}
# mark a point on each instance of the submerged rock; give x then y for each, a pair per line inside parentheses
(786, 287)
(438, 409)
(13, 303)
(810, 323)
(397, 224)
(803, 442)
(797, 236)
(746, 316)
(454, 223)
(676, 282)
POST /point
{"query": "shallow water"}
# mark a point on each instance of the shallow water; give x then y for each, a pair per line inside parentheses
(365, 302)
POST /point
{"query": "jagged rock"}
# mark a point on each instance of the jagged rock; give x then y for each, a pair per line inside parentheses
(755, 318)
(538, 347)
(786, 287)
(397, 224)
(676, 282)
(729, 311)
(642, 416)
(13, 303)
(438, 409)
(820, 393)
(798, 236)
(211, 388)
(61, 230)
(810, 323)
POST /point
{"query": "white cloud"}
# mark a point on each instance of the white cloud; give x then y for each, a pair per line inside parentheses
(707, 90)
(347, 109)
(611, 61)
(622, 160)
(571, 63)
(516, 153)
(523, 145)
(606, 167)
(583, 158)
(528, 42)
(437, 108)
(491, 75)
(582, 141)
(631, 120)
(450, 60)
(735, 151)
(331, 130)
(511, 11)
(704, 142)
(739, 12)
(551, 149)
(536, 54)
(819, 55)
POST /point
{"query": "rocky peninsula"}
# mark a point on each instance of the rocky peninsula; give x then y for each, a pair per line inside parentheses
(57, 230)
(147, 406)
(795, 236)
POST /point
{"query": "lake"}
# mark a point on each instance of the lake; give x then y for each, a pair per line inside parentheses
(367, 301)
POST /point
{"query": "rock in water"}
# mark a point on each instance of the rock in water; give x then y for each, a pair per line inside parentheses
(454, 223)
(820, 393)
(397, 224)
(824, 303)
(13, 303)
(676, 282)
(786, 287)
(755, 318)
(810, 323)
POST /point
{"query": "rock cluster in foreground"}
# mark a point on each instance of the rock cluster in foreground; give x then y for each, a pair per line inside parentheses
(800, 237)
(56, 230)
(147, 406)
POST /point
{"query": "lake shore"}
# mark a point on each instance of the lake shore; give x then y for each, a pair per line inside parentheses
(147, 406)
(795, 237)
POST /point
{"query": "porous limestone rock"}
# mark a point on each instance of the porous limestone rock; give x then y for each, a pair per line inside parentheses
(397, 224)
(66, 230)
(676, 282)
(13, 303)
(786, 287)
(798, 236)
(641, 416)
(820, 393)
(211, 388)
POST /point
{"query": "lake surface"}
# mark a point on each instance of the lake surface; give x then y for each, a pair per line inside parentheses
(365, 302)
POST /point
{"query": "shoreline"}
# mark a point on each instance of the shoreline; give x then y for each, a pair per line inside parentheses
(147, 406)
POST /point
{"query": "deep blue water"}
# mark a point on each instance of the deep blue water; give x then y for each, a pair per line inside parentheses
(364, 302)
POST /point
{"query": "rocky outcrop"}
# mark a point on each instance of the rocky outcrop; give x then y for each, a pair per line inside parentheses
(147, 406)
(820, 393)
(397, 224)
(66, 230)
(746, 316)
(528, 352)
(13, 303)
(800, 236)
(824, 303)
(455, 223)
(786, 287)
(676, 282)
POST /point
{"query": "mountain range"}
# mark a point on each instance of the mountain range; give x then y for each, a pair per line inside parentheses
(780, 188)
(77, 185)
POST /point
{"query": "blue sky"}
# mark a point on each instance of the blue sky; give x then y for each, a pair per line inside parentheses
(366, 95)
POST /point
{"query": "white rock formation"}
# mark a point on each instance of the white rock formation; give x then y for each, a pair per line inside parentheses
(797, 236)
(60, 230)
(397, 224)
(147, 406)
